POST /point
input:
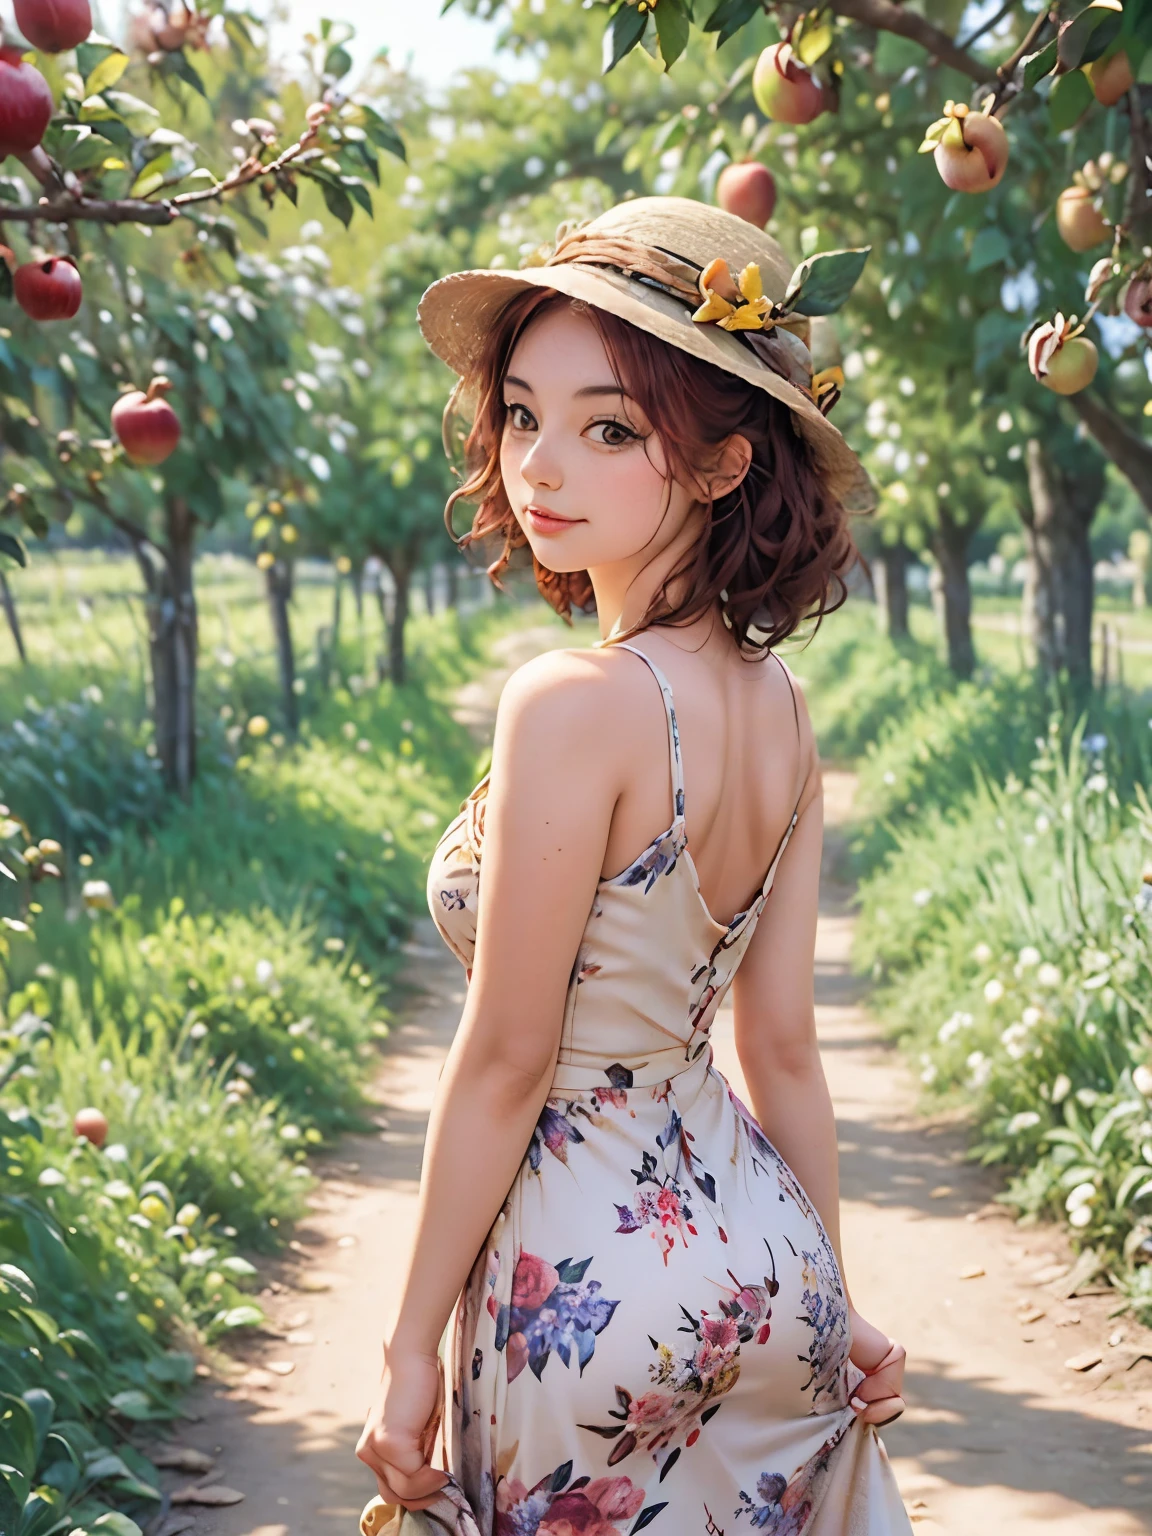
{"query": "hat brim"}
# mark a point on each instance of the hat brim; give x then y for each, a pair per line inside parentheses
(457, 313)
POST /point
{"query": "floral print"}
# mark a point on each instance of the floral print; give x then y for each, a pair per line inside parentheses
(699, 1317)
(553, 1308)
(559, 1506)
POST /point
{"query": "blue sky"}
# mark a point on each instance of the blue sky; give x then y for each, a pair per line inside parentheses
(437, 45)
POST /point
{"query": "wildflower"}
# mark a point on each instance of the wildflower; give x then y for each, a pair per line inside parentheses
(258, 726)
(117, 1189)
(290, 1132)
(97, 896)
(1083, 1194)
(265, 972)
(1096, 784)
(1061, 1088)
(979, 1067)
(1087, 1097)
(116, 1153)
(982, 954)
(928, 1075)
(1080, 1217)
(1049, 975)
(198, 1030)
(993, 990)
(922, 897)
(1142, 1079)
(1094, 745)
(50, 1177)
(889, 777)
(1012, 1039)
(1042, 823)
(1028, 957)
(953, 1025)
(1031, 1016)
(1024, 1121)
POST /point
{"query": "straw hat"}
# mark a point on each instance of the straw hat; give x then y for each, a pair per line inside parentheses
(643, 261)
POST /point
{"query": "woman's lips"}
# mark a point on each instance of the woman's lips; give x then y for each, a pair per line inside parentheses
(544, 521)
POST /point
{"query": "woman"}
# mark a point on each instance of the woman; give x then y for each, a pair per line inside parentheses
(649, 1320)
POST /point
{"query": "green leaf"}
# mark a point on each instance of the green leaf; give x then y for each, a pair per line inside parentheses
(180, 65)
(337, 201)
(115, 1524)
(1039, 65)
(16, 1280)
(235, 1265)
(1070, 98)
(382, 133)
(729, 16)
(106, 72)
(134, 1404)
(820, 285)
(139, 115)
(246, 1316)
(810, 42)
(358, 192)
(337, 61)
(990, 247)
(11, 546)
(672, 28)
(624, 30)
(1087, 36)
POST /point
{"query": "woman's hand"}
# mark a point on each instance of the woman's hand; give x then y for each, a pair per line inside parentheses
(877, 1400)
(400, 1431)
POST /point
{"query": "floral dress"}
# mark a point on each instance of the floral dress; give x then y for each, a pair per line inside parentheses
(655, 1332)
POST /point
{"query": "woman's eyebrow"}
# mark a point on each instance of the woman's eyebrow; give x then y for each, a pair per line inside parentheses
(601, 389)
(519, 383)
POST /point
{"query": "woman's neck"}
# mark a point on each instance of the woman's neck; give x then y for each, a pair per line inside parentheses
(625, 589)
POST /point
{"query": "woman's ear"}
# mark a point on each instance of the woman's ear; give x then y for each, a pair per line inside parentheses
(732, 462)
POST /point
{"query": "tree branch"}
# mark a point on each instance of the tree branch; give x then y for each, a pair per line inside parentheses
(884, 16)
(62, 206)
(1130, 453)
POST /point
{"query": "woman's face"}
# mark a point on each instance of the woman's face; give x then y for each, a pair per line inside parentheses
(584, 472)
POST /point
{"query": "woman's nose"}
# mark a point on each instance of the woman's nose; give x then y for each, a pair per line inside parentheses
(541, 467)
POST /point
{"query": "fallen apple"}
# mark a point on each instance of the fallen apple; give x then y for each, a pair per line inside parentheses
(92, 1125)
(747, 189)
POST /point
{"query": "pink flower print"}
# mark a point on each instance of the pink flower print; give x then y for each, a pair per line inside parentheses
(719, 1332)
(647, 1409)
(534, 1281)
(615, 1497)
(516, 1354)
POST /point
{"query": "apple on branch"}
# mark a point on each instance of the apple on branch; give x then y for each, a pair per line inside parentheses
(747, 189)
(785, 89)
(25, 104)
(54, 26)
(147, 426)
(1061, 358)
(970, 148)
(49, 289)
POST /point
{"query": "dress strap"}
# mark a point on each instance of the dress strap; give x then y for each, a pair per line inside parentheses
(673, 729)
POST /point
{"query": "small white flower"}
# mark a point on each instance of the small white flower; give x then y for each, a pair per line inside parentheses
(116, 1152)
(1087, 1097)
(1024, 1121)
(50, 1177)
(290, 1132)
(1031, 1016)
(117, 1189)
(1049, 975)
(979, 1067)
(993, 990)
(929, 1074)
(1142, 1078)
(1083, 1194)
(889, 777)
(97, 896)
(1080, 1217)
(1096, 784)
(982, 954)
(198, 1030)
(265, 971)
(1028, 957)
(1061, 1088)
(1042, 823)
(922, 897)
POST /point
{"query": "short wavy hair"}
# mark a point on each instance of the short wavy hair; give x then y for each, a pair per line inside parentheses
(776, 550)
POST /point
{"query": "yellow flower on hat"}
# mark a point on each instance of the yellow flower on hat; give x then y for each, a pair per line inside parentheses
(737, 305)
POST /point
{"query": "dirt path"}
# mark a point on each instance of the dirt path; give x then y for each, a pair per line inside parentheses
(999, 1433)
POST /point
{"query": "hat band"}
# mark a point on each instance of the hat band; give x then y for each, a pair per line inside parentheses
(779, 349)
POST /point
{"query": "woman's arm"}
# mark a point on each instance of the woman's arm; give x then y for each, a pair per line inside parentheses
(552, 792)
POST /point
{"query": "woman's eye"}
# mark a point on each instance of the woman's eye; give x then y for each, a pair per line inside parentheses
(614, 434)
(520, 418)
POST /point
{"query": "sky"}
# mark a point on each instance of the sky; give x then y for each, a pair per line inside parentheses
(413, 30)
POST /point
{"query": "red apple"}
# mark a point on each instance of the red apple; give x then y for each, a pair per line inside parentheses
(147, 426)
(974, 162)
(1111, 78)
(48, 290)
(786, 90)
(54, 25)
(92, 1125)
(1080, 222)
(25, 104)
(748, 190)
(1138, 301)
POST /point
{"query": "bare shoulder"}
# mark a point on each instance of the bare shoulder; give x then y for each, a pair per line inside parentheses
(573, 691)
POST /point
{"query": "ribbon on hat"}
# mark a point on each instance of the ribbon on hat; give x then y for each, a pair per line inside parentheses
(773, 330)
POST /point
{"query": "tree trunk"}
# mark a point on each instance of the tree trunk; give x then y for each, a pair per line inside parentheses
(891, 582)
(452, 578)
(278, 579)
(430, 588)
(357, 580)
(951, 546)
(172, 643)
(337, 605)
(401, 568)
(1060, 575)
(9, 605)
